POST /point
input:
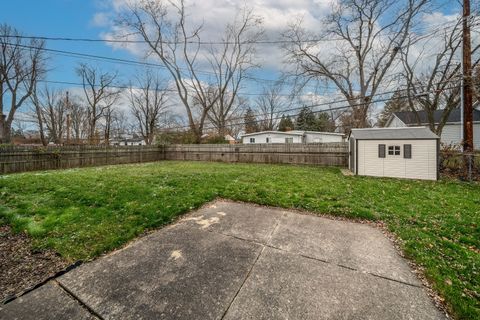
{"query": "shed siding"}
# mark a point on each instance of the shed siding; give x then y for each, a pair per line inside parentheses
(422, 165)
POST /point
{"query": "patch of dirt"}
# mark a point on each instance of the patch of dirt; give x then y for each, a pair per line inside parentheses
(21, 268)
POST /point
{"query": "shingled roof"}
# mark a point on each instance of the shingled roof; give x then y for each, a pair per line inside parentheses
(409, 117)
(393, 133)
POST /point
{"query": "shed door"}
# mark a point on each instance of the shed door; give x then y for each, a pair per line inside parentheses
(352, 155)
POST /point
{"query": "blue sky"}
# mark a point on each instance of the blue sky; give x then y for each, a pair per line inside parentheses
(75, 18)
(64, 18)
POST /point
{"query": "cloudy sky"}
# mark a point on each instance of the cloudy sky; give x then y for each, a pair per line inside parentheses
(95, 19)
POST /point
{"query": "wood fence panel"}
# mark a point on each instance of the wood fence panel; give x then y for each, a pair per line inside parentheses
(23, 158)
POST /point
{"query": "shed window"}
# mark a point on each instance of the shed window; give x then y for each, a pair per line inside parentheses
(381, 151)
(393, 150)
(252, 140)
(288, 140)
(407, 151)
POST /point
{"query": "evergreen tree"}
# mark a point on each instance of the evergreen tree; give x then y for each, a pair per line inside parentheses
(324, 123)
(306, 120)
(286, 124)
(396, 103)
(250, 121)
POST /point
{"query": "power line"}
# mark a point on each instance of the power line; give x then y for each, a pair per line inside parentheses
(278, 41)
(312, 106)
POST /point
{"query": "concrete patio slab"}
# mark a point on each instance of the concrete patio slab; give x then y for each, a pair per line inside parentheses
(236, 219)
(238, 261)
(354, 245)
(45, 303)
(288, 286)
(176, 273)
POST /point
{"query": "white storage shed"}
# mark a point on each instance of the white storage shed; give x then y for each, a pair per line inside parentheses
(410, 153)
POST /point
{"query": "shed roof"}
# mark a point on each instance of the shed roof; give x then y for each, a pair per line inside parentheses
(393, 133)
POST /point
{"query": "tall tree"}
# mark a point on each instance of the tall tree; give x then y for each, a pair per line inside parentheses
(364, 39)
(324, 123)
(270, 104)
(306, 120)
(438, 86)
(164, 27)
(79, 120)
(22, 64)
(250, 121)
(397, 103)
(99, 93)
(51, 111)
(286, 124)
(148, 104)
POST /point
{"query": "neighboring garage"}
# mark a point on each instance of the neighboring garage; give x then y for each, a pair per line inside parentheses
(410, 153)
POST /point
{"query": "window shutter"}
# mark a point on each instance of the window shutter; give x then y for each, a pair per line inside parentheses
(381, 151)
(407, 151)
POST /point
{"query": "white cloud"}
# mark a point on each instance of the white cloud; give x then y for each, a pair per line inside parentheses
(215, 15)
(100, 19)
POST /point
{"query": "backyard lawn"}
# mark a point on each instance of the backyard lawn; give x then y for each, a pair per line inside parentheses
(82, 213)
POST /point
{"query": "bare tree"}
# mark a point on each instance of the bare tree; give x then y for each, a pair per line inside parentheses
(270, 105)
(438, 86)
(148, 104)
(22, 64)
(364, 38)
(178, 47)
(79, 120)
(51, 113)
(99, 93)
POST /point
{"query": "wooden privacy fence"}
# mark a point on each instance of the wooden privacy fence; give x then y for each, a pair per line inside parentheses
(23, 158)
(322, 154)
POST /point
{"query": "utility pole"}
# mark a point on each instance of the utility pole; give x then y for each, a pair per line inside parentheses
(68, 119)
(467, 81)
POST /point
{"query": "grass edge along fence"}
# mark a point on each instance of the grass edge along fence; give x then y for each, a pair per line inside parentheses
(28, 158)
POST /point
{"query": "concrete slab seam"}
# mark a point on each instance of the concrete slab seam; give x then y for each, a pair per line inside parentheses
(243, 282)
(76, 298)
(312, 258)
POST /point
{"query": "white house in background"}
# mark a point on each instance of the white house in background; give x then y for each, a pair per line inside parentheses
(452, 131)
(407, 152)
(128, 142)
(295, 136)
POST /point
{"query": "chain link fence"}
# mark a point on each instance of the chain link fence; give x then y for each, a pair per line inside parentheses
(463, 166)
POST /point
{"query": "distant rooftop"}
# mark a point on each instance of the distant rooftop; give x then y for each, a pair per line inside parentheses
(393, 133)
(410, 118)
(293, 132)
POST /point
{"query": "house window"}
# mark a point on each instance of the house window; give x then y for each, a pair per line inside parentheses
(288, 140)
(252, 140)
(268, 140)
(393, 150)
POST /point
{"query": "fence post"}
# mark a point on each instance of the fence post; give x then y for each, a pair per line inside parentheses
(470, 162)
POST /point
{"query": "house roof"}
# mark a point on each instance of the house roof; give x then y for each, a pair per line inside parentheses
(290, 133)
(319, 132)
(393, 133)
(455, 116)
(293, 132)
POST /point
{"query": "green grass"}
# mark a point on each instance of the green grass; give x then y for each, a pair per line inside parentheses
(82, 213)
